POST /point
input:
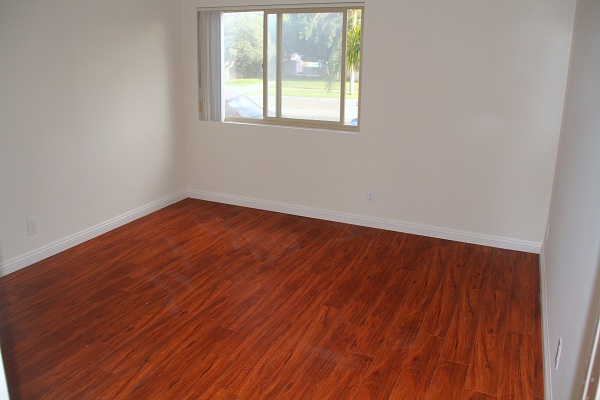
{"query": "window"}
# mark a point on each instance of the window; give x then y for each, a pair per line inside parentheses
(292, 67)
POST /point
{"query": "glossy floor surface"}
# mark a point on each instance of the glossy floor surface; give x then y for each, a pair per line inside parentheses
(204, 300)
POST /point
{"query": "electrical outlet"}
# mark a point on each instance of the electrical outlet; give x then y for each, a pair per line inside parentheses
(370, 197)
(32, 227)
(558, 351)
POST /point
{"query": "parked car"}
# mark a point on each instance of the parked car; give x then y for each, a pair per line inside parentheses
(241, 106)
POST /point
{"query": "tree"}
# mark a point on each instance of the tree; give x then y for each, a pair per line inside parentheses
(353, 44)
(243, 43)
(312, 35)
(317, 37)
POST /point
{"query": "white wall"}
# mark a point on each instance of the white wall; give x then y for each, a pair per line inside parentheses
(91, 116)
(572, 251)
(462, 105)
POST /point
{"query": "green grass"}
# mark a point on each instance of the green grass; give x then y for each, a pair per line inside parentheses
(243, 82)
(298, 88)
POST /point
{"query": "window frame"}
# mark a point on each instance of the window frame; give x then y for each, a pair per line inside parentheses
(278, 120)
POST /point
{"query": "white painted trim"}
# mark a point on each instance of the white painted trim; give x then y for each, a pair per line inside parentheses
(3, 384)
(57, 246)
(545, 330)
(592, 387)
(372, 222)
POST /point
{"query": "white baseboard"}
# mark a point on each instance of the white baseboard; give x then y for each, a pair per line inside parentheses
(545, 331)
(372, 222)
(55, 247)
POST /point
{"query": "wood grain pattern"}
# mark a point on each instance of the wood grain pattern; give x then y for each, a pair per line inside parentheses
(272, 380)
(501, 267)
(473, 395)
(62, 372)
(415, 377)
(384, 371)
(538, 356)
(380, 322)
(432, 274)
(521, 314)
(448, 381)
(311, 376)
(218, 393)
(517, 375)
(204, 300)
(461, 333)
(346, 377)
(486, 361)
(443, 304)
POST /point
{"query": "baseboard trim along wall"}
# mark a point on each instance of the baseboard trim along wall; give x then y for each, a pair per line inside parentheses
(545, 332)
(381, 223)
(57, 246)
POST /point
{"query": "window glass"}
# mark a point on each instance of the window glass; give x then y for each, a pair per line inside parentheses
(291, 67)
(242, 64)
(353, 37)
(311, 65)
(272, 35)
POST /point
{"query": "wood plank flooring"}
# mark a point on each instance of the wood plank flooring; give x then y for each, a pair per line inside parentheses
(208, 301)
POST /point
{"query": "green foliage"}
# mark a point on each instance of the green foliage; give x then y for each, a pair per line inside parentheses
(243, 43)
(293, 88)
(318, 36)
(314, 36)
(353, 47)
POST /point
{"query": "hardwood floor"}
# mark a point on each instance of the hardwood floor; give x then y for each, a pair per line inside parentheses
(207, 301)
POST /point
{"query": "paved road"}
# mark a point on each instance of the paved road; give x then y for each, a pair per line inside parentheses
(317, 108)
(314, 108)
